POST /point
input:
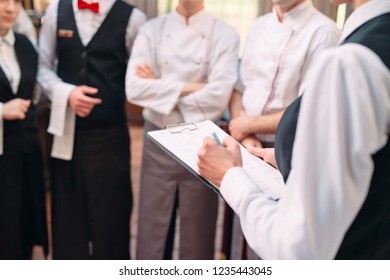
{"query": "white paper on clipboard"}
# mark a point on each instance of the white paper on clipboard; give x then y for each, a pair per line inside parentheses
(183, 141)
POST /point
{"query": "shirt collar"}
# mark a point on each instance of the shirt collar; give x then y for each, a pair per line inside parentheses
(290, 18)
(9, 38)
(104, 6)
(363, 14)
(198, 17)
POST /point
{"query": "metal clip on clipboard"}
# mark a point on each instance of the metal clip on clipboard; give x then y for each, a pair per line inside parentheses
(177, 128)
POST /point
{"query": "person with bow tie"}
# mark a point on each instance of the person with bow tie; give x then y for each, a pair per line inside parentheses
(22, 197)
(84, 48)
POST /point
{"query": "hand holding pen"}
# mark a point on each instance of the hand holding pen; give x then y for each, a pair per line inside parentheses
(215, 158)
(219, 143)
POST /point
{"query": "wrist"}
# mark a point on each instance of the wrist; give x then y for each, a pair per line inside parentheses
(236, 113)
(252, 125)
(186, 90)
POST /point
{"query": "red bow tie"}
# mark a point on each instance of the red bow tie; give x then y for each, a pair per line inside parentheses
(94, 7)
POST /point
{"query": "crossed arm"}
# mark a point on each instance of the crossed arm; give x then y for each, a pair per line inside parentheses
(243, 127)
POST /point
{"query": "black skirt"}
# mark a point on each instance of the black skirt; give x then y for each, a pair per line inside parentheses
(22, 204)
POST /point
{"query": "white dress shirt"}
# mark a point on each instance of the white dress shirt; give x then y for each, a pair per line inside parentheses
(332, 166)
(202, 50)
(277, 56)
(10, 66)
(62, 118)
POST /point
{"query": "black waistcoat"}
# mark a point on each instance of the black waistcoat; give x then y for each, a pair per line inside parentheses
(369, 235)
(21, 135)
(100, 64)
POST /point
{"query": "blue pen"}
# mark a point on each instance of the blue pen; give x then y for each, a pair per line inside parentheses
(216, 138)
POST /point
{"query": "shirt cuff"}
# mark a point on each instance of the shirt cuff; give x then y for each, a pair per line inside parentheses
(59, 105)
(1, 129)
(174, 99)
(235, 185)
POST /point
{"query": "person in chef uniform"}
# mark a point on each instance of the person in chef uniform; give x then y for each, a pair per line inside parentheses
(22, 196)
(279, 50)
(333, 150)
(91, 189)
(183, 68)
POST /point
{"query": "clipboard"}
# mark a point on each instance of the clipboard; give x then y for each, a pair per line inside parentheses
(182, 142)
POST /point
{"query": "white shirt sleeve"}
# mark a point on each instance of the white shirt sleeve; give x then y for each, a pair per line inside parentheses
(47, 76)
(62, 117)
(323, 39)
(137, 19)
(344, 119)
(160, 95)
(211, 101)
(57, 90)
(247, 54)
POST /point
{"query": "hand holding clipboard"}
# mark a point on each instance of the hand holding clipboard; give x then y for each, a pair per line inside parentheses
(183, 141)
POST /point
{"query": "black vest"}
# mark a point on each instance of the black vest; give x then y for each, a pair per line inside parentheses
(21, 135)
(369, 235)
(101, 64)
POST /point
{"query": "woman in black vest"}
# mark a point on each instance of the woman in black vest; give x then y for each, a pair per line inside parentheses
(334, 157)
(22, 201)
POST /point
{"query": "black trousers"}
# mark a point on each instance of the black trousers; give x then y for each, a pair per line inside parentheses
(92, 196)
(22, 204)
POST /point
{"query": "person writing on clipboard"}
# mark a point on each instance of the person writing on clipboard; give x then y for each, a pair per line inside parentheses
(337, 188)
(183, 68)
